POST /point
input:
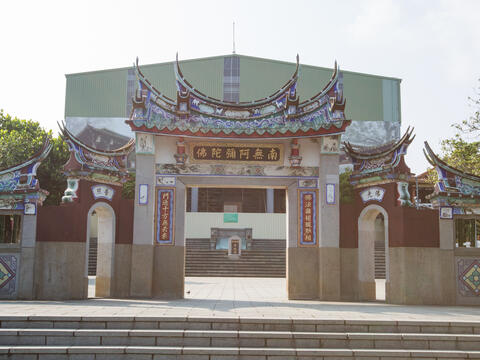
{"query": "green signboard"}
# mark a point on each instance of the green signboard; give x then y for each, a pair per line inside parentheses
(230, 218)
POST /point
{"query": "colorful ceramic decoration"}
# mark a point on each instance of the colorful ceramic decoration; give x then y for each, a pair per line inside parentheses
(237, 170)
(19, 184)
(107, 167)
(379, 165)
(468, 270)
(8, 275)
(295, 158)
(454, 187)
(373, 193)
(102, 192)
(279, 115)
(181, 155)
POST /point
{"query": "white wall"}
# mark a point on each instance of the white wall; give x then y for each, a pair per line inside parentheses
(264, 226)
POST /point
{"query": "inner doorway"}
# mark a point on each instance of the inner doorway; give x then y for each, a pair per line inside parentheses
(219, 218)
(100, 250)
(373, 264)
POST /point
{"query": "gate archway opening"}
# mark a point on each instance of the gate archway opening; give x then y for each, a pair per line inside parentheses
(373, 253)
(100, 250)
(256, 217)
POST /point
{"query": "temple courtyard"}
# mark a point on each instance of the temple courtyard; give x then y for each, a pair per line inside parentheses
(238, 298)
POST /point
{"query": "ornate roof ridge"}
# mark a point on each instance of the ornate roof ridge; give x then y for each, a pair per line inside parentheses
(280, 116)
(374, 152)
(124, 150)
(434, 160)
(182, 81)
(39, 156)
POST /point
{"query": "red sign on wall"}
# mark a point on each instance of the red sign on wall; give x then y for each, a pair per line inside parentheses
(307, 217)
(164, 222)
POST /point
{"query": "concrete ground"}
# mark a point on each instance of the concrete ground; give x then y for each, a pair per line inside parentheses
(238, 297)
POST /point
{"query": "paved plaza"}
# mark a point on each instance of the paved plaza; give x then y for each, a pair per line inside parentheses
(238, 297)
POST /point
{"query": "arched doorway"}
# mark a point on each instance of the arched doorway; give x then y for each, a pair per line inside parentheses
(101, 222)
(372, 223)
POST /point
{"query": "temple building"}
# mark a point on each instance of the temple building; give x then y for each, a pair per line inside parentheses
(225, 186)
(98, 103)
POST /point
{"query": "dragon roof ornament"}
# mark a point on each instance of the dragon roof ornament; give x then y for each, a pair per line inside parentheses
(454, 187)
(280, 115)
(102, 166)
(382, 163)
(19, 184)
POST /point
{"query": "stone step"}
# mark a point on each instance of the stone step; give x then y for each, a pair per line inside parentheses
(239, 324)
(217, 353)
(238, 274)
(222, 338)
(236, 261)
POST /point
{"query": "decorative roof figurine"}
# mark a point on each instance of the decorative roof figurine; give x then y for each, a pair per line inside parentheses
(280, 115)
(108, 167)
(382, 164)
(454, 187)
(19, 186)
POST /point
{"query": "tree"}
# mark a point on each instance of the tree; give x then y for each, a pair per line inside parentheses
(472, 124)
(462, 154)
(347, 193)
(457, 151)
(20, 139)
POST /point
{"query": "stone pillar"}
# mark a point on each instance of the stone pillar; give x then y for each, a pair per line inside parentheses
(169, 263)
(329, 222)
(27, 258)
(270, 201)
(194, 200)
(302, 262)
(105, 251)
(142, 248)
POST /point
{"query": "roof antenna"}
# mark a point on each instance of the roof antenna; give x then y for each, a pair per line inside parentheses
(233, 52)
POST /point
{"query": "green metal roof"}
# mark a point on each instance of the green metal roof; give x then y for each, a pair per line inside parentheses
(104, 93)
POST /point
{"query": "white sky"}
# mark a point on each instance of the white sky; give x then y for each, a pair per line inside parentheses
(433, 46)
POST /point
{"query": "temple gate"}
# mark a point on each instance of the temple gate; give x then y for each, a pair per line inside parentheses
(20, 199)
(430, 252)
(278, 141)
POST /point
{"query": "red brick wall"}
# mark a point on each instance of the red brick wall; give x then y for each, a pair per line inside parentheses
(407, 227)
(68, 222)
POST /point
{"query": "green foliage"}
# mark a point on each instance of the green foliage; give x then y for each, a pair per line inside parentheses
(20, 139)
(462, 155)
(128, 189)
(472, 124)
(50, 172)
(347, 195)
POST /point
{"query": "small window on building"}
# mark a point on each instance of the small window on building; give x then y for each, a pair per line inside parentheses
(467, 233)
(10, 229)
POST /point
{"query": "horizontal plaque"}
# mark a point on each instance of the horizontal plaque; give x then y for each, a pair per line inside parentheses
(166, 180)
(230, 218)
(102, 192)
(237, 153)
(373, 193)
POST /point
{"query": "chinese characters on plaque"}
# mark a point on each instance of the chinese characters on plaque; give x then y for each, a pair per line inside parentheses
(307, 216)
(372, 193)
(102, 192)
(164, 216)
(237, 153)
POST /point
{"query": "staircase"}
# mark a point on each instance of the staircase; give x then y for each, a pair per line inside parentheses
(265, 259)
(380, 259)
(182, 338)
(92, 257)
